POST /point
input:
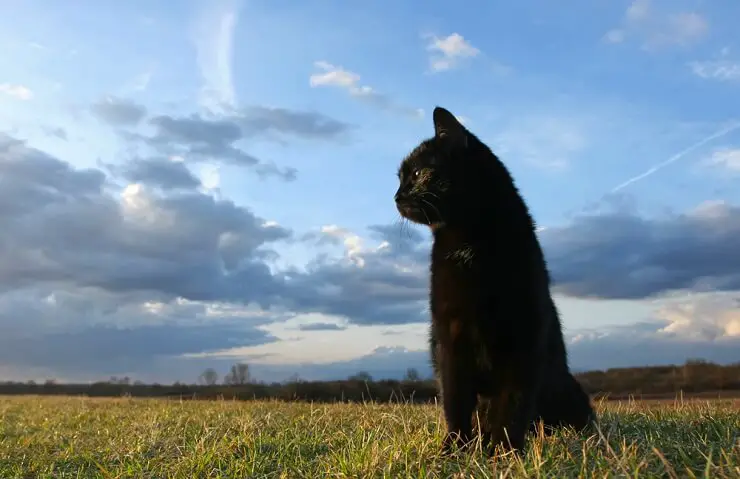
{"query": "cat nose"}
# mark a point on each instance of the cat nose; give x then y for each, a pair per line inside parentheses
(399, 196)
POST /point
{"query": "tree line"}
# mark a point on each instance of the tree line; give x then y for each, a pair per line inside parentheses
(694, 378)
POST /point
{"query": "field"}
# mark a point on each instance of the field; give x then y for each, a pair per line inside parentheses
(83, 437)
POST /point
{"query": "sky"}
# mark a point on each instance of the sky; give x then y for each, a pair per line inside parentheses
(190, 184)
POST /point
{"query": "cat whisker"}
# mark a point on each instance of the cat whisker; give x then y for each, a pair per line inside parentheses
(439, 216)
(424, 212)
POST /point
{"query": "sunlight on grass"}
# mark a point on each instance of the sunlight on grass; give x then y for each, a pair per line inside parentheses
(82, 437)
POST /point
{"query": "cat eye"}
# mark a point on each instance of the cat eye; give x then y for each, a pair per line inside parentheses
(415, 173)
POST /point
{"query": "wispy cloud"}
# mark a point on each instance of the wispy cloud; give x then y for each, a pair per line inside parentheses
(141, 81)
(213, 37)
(19, 92)
(545, 141)
(337, 77)
(658, 29)
(721, 68)
(449, 52)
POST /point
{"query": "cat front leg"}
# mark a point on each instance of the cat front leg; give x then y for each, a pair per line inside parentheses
(459, 399)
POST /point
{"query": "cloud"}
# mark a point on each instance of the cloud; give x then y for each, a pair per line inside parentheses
(668, 338)
(657, 29)
(105, 280)
(256, 120)
(213, 37)
(384, 283)
(63, 225)
(621, 255)
(56, 132)
(321, 327)
(337, 77)
(544, 141)
(160, 172)
(727, 158)
(18, 92)
(695, 326)
(198, 138)
(92, 332)
(159, 260)
(449, 52)
(118, 112)
(721, 68)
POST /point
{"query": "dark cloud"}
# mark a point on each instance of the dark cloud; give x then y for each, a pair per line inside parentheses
(61, 225)
(159, 172)
(196, 138)
(56, 132)
(374, 286)
(305, 124)
(206, 138)
(118, 111)
(103, 350)
(321, 327)
(31, 180)
(621, 255)
(94, 332)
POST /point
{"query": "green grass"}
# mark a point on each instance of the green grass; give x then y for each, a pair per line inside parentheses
(82, 437)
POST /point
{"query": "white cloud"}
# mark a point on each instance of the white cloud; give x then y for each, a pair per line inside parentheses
(615, 36)
(336, 76)
(213, 37)
(638, 10)
(702, 316)
(448, 52)
(656, 28)
(16, 91)
(720, 68)
(728, 158)
(210, 177)
(723, 70)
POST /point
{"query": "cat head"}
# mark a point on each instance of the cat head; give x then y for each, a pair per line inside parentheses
(442, 179)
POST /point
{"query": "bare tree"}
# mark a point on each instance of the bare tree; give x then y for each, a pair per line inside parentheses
(412, 375)
(361, 376)
(209, 377)
(239, 374)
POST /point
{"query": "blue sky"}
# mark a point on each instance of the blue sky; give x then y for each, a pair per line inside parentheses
(227, 170)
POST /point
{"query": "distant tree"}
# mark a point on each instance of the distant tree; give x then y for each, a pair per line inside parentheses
(412, 375)
(238, 375)
(209, 377)
(294, 378)
(362, 376)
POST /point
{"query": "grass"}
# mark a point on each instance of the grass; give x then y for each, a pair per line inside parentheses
(82, 437)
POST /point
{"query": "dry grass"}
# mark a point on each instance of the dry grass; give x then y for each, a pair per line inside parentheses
(82, 437)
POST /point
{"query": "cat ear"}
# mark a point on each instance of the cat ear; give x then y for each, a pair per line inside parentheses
(446, 125)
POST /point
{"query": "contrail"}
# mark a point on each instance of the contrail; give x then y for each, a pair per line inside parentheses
(677, 156)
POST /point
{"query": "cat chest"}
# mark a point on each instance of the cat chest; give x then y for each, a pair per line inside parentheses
(455, 301)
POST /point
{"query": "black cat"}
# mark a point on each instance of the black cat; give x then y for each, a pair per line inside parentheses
(496, 339)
